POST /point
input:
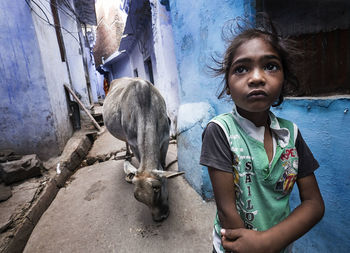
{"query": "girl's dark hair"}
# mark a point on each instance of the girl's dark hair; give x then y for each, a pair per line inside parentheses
(237, 31)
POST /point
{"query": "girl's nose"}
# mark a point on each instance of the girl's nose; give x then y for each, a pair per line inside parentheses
(257, 77)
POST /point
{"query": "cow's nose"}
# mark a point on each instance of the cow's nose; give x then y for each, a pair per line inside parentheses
(160, 214)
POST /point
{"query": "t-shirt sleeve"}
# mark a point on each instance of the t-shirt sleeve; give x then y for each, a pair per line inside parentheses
(307, 162)
(216, 152)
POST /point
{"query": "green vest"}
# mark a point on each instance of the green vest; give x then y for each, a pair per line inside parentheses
(262, 188)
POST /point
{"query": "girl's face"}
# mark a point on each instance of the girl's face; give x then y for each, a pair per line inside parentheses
(256, 76)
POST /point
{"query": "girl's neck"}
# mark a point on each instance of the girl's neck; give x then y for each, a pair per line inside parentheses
(258, 118)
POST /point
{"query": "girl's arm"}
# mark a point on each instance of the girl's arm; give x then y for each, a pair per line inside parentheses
(300, 221)
(225, 198)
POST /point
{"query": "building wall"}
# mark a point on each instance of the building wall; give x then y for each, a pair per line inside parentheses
(89, 62)
(136, 62)
(143, 50)
(166, 78)
(93, 77)
(99, 88)
(123, 68)
(74, 57)
(322, 121)
(55, 77)
(31, 109)
(197, 29)
(34, 105)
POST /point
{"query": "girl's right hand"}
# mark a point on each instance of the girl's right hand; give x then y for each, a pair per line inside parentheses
(245, 241)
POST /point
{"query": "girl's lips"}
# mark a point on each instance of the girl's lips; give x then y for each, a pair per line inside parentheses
(257, 93)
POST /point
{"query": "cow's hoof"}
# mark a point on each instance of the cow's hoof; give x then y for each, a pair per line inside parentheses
(129, 177)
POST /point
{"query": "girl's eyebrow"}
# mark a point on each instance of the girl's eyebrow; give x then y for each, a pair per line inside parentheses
(242, 60)
(271, 57)
(264, 57)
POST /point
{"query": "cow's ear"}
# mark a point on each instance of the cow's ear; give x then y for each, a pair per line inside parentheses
(129, 168)
(167, 174)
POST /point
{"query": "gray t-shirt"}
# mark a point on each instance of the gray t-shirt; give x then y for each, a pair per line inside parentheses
(216, 152)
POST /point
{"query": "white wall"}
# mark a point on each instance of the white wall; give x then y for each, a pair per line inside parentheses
(136, 60)
(166, 78)
(89, 60)
(55, 72)
(34, 111)
(74, 56)
(123, 69)
(100, 92)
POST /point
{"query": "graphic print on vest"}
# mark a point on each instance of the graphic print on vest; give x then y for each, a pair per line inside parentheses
(289, 160)
(246, 208)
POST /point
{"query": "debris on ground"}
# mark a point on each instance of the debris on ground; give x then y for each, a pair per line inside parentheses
(5, 192)
(28, 186)
(26, 167)
(7, 155)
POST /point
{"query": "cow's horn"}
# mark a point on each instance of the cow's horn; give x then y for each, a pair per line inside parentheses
(167, 174)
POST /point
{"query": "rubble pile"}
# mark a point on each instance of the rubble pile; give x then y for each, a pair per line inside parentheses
(15, 168)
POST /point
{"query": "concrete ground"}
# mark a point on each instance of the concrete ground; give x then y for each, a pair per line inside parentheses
(97, 212)
(30, 198)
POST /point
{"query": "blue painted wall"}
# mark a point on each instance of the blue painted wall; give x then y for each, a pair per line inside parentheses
(34, 115)
(26, 117)
(122, 69)
(197, 29)
(324, 125)
(323, 122)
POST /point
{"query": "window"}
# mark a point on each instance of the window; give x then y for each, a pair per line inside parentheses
(321, 29)
(327, 63)
(136, 73)
(149, 70)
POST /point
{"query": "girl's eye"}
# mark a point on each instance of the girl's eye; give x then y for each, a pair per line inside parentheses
(271, 67)
(240, 70)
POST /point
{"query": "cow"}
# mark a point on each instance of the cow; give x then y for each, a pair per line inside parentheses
(135, 112)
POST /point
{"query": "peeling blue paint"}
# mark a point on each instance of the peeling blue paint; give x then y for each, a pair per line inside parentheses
(187, 43)
(25, 102)
(197, 33)
(323, 124)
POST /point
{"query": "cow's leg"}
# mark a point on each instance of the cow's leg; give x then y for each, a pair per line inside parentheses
(163, 153)
(129, 171)
(128, 154)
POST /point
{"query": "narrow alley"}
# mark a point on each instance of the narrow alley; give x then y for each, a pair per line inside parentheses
(62, 181)
(97, 212)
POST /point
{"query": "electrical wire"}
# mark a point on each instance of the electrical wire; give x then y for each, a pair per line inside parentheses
(67, 4)
(47, 20)
(69, 13)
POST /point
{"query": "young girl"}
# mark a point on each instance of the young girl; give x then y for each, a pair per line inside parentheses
(253, 157)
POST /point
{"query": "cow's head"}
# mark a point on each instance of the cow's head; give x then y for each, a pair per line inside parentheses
(152, 190)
